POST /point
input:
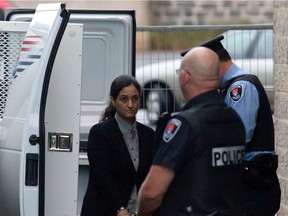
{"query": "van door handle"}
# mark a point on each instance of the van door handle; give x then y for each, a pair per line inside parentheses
(33, 139)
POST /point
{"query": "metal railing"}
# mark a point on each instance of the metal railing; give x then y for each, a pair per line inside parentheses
(158, 55)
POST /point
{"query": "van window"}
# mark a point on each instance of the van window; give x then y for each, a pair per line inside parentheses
(94, 67)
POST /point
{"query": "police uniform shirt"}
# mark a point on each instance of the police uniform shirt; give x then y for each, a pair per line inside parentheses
(244, 98)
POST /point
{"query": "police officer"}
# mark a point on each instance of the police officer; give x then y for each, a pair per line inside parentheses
(245, 93)
(197, 167)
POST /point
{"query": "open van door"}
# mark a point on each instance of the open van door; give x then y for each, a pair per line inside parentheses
(107, 50)
(29, 130)
(62, 127)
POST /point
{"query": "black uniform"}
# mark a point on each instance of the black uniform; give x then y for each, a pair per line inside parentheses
(204, 145)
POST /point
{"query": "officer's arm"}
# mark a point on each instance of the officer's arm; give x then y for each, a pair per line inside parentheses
(246, 105)
(153, 189)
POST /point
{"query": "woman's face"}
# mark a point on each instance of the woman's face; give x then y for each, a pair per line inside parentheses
(127, 103)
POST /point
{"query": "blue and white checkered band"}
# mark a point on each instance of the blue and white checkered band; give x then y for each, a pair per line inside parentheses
(236, 92)
(171, 129)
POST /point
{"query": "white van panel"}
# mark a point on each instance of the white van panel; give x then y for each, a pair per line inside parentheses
(107, 52)
(62, 116)
(10, 152)
(9, 198)
(21, 116)
(108, 49)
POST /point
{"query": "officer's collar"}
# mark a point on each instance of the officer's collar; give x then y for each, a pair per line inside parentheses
(205, 98)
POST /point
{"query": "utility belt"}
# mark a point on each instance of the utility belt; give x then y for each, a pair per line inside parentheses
(259, 167)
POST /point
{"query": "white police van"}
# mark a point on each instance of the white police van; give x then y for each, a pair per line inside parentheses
(56, 67)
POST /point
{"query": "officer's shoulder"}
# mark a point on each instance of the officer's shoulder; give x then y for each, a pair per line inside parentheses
(241, 82)
(178, 118)
(245, 80)
(185, 116)
(243, 85)
(171, 129)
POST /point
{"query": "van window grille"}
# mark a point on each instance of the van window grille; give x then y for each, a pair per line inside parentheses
(10, 43)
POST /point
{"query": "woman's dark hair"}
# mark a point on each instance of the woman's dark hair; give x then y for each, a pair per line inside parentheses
(117, 85)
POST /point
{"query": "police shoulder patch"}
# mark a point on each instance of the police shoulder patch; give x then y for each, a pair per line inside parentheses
(171, 129)
(236, 92)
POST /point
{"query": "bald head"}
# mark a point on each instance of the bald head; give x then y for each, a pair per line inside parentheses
(200, 68)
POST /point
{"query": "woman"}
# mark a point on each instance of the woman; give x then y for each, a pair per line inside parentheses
(119, 153)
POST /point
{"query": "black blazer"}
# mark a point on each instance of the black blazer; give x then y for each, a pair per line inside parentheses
(112, 175)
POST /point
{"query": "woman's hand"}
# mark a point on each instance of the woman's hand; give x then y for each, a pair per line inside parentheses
(123, 212)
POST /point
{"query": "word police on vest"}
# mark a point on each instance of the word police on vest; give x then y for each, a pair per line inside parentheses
(226, 156)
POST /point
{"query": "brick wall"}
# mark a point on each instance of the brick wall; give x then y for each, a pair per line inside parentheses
(210, 12)
(281, 96)
(142, 12)
(178, 12)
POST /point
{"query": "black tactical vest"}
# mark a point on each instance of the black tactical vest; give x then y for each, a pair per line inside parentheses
(263, 136)
(211, 180)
